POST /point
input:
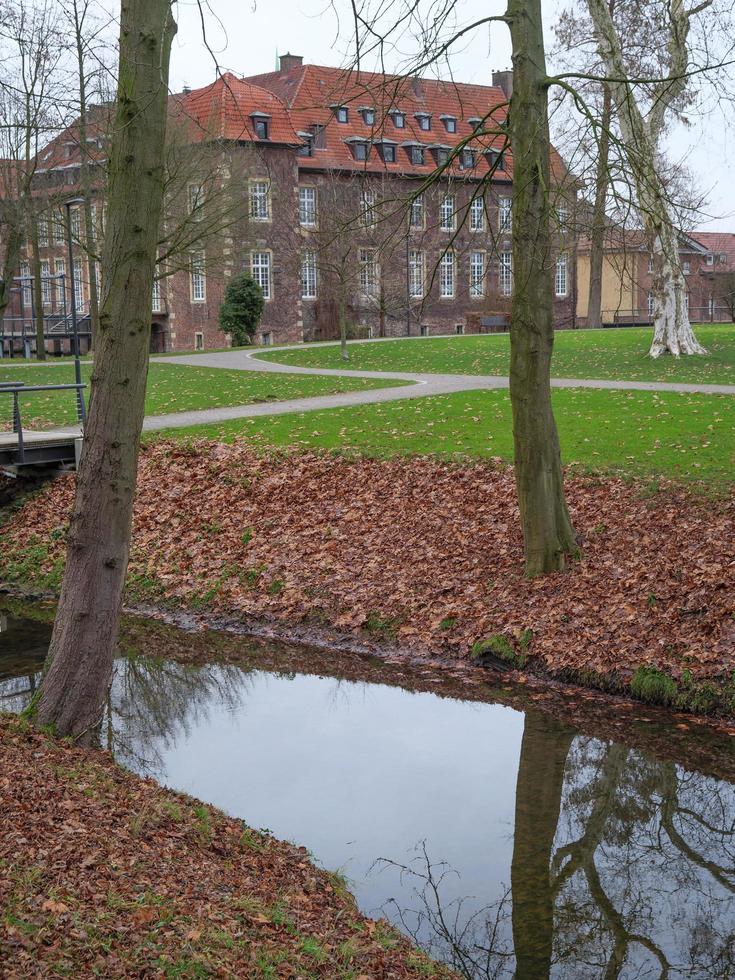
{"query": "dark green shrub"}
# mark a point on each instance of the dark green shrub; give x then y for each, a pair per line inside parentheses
(241, 309)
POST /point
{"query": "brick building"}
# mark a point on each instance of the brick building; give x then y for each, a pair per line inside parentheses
(384, 198)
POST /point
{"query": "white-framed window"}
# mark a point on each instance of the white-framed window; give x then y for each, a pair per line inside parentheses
(76, 223)
(195, 201)
(197, 278)
(477, 214)
(26, 289)
(308, 274)
(562, 216)
(446, 275)
(710, 259)
(93, 220)
(59, 271)
(561, 277)
(265, 339)
(686, 267)
(367, 209)
(416, 273)
(446, 213)
(260, 270)
(307, 206)
(477, 274)
(59, 231)
(505, 273)
(260, 200)
(417, 212)
(650, 303)
(198, 340)
(156, 296)
(43, 231)
(45, 282)
(505, 213)
(368, 271)
(650, 263)
(79, 285)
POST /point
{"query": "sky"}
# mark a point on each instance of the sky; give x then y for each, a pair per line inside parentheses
(246, 36)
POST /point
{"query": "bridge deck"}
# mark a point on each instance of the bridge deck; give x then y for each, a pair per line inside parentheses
(39, 447)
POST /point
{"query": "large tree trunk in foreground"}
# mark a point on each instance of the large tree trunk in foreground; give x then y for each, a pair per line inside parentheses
(597, 231)
(544, 751)
(79, 666)
(548, 536)
(672, 331)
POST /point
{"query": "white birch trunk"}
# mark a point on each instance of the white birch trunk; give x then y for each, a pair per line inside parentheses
(672, 331)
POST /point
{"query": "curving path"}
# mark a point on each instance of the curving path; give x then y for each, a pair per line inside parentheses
(413, 386)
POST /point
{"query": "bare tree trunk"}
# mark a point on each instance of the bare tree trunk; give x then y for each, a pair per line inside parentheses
(597, 236)
(37, 288)
(343, 323)
(11, 257)
(672, 331)
(79, 665)
(544, 751)
(548, 536)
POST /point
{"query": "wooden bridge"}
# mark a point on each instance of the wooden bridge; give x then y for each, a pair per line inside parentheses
(21, 447)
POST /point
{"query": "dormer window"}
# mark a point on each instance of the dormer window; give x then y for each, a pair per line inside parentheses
(723, 258)
(415, 154)
(261, 124)
(441, 154)
(368, 115)
(319, 138)
(710, 260)
(307, 149)
(475, 122)
(450, 123)
(399, 119)
(467, 159)
(387, 152)
(424, 120)
(360, 148)
(495, 160)
(341, 113)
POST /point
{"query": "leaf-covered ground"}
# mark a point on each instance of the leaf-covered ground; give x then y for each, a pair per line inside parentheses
(105, 874)
(421, 553)
(620, 354)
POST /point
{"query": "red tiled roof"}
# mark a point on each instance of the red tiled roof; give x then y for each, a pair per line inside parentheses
(718, 242)
(310, 90)
(224, 110)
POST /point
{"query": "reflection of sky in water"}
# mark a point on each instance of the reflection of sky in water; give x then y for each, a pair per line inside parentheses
(361, 771)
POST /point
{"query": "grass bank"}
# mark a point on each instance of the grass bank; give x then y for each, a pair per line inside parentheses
(105, 874)
(426, 555)
(619, 354)
(681, 436)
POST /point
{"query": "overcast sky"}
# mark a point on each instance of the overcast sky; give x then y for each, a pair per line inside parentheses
(247, 35)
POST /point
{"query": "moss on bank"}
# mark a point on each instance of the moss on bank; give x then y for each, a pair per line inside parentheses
(105, 874)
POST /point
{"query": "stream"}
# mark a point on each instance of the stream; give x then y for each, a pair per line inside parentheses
(507, 839)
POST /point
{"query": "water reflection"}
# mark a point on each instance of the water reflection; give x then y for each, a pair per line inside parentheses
(542, 852)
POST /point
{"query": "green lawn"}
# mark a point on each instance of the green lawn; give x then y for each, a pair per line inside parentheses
(173, 388)
(619, 354)
(687, 437)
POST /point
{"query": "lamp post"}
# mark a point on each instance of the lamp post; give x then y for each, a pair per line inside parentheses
(81, 407)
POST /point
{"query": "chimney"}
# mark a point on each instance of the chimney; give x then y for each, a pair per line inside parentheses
(186, 90)
(289, 61)
(504, 80)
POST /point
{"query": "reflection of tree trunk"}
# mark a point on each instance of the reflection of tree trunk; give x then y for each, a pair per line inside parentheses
(597, 237)
(544, 752)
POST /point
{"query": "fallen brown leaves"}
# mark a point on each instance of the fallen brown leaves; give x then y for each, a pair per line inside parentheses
(104, 874)
(427, 554)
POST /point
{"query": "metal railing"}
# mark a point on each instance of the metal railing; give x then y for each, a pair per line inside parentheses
(18, 388)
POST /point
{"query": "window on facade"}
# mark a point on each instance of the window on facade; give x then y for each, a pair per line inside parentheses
(306, 150)
(360, 151)
(43, 231)
(59, 231)
(156, 296)
(262, 127)
(723, 258)
(441, 155)
(198, 340)
(477, 274)
(505, 213)
(342, 114)
(368, 116)
(320, 136)
(79, 297)
(399, 119)
(417, 212)
(45, 282)
(416, 273)
(467, 159)
(260, 270)
(477, 214)
(686, 267)
(307, 206)
(450, 124)
(446, 275)
(423, 330)
(650, 303)
(60, 273)
(561, 285)
(76, 223)
(308, 274)
(368, 271)
(416, 155)
(93, 220)
(710, 260)
(367, 209)
(562, 216)
(424, 121)
(650, 263)
(259, 200)
(459, 328)
(446, 213)
(505, 273)
(26, 290)
(196, 200)
(388, 151)
(197, 279)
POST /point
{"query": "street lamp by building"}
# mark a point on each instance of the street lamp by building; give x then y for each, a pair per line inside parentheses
(81, 407)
